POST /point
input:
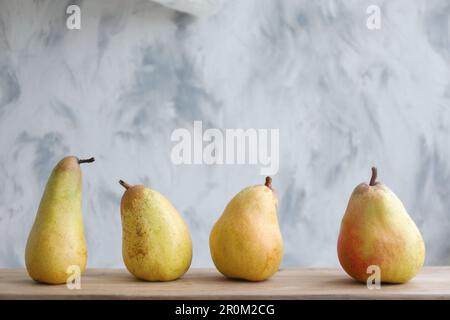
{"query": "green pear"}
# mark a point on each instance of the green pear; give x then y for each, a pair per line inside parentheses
(376, 231)
(56, 241)
(246, 241)
(156, 243)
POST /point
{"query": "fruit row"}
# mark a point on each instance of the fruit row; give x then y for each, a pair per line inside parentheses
(245, 242)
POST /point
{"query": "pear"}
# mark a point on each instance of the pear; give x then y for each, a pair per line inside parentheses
(156, 243)
(56, 241)
(377, 231)
(246, 241)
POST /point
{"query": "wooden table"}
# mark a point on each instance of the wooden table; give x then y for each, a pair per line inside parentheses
(296, 283)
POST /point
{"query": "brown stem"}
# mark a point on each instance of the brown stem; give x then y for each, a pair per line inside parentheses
(268, 183)
(80, 161)
(373, 180)
(124, 184)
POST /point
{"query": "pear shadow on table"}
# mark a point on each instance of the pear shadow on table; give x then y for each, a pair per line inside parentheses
(131, 278)
(346, 281)
(37, 283)
(30, 282)
(224, 279)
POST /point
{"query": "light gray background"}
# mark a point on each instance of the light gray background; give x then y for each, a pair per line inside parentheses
(343, 97)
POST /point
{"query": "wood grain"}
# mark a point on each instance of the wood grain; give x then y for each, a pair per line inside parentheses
(296, 283)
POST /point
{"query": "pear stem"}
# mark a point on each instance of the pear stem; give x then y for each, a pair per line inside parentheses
(124, 184)
(373, 180)
(80, 161)
(268, 183)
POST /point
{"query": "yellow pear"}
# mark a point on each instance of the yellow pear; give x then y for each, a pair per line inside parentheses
(246, 241)
(156, 243)
(377, 232)
(56, 241)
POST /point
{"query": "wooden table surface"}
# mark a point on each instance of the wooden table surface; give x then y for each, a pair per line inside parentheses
(295, 283)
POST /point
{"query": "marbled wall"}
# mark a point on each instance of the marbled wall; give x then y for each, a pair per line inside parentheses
(344, 98)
